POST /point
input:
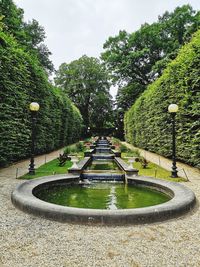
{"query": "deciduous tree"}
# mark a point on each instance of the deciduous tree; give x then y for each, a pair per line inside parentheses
(137, 59)
(29, 34)
(85, 81)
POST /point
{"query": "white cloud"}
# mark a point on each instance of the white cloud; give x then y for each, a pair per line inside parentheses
(77, 27)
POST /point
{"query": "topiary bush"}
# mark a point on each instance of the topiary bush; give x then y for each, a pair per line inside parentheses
(148, 123)
(22, 81)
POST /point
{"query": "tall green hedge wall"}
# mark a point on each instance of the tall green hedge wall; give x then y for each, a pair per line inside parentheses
(148, 123)
(23, 81)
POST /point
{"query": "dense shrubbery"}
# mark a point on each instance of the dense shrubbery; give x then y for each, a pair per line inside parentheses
(148, 124)
(23, 80)
(75, 148)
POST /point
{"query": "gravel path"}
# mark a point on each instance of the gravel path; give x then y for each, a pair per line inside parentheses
(29, 241)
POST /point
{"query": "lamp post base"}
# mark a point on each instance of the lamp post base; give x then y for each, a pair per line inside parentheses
(174, 174)
(31, 171)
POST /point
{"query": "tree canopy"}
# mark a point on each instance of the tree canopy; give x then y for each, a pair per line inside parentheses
(137, 59)
(85, 82)
(29, 34)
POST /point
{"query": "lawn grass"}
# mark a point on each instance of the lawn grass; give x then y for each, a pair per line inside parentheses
(49, 168)
(52, 167)
(131, 153)
(153, 170)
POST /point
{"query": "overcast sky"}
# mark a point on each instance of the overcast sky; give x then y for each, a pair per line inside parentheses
(77, 27)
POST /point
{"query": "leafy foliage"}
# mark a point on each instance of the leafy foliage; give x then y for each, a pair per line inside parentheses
(85, 82)
(23, 80)
(29, 34)
(75, 148)
(62, 159)
(143, 162)
(137, 59)
(148, 124)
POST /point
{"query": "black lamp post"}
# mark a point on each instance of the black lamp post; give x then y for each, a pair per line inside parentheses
(173, 108)
(116, 131)
(34, 107)
(88, 130)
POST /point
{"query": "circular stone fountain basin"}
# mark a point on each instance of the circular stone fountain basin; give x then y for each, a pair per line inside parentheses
(181, 201)
(101, 195)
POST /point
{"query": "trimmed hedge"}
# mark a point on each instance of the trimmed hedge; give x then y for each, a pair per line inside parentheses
(22, 81)
(148, 123)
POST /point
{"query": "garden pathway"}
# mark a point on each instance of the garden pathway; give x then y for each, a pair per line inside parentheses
(30, 241)
(183, 169)
(20, 168)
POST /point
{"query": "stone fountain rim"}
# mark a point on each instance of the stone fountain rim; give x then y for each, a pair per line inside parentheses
(183, 200)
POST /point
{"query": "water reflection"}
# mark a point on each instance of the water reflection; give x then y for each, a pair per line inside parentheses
(102, 196)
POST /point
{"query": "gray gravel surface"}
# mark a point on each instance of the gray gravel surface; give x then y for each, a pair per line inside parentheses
(29, 241)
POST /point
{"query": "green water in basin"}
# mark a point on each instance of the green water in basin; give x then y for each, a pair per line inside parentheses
(103, 165)
(108, 196)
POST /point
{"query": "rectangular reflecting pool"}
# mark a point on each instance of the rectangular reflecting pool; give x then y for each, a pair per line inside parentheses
(101, 164)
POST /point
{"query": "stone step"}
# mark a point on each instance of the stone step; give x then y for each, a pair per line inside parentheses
(103, 176)
(102, 156)
(102, 150)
